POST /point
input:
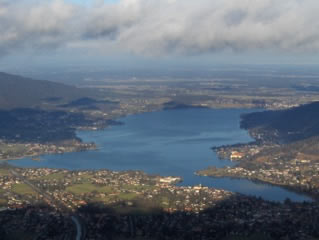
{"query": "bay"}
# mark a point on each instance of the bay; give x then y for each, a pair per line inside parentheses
(170, 143)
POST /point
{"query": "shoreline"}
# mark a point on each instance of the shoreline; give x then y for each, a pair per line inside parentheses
(104, 129)
(272, 184)
(87, 147)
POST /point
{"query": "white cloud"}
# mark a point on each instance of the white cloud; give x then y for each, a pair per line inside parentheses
(161, 26)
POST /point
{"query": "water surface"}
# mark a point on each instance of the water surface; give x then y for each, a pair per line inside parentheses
(175, 142)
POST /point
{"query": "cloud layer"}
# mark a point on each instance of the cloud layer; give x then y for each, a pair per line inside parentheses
(160, 26)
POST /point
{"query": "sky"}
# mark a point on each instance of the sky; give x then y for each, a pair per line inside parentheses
(158, 32)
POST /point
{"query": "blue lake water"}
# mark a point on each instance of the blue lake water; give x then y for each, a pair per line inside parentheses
(175, 142)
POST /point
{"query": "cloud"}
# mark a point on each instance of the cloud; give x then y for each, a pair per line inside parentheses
(35, 25)
(161, 27)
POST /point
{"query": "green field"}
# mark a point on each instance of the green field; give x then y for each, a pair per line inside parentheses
(54, 176)
(4, 172)
(23, 189)
(127, 196)
(88, 188)
(137, 187)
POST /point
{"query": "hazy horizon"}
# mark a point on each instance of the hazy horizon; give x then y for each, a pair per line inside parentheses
(150, 34)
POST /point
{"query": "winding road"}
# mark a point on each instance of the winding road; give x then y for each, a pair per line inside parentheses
(79, 225)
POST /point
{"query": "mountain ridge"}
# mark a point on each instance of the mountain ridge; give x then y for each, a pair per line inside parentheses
(18, 92)
(287, 125)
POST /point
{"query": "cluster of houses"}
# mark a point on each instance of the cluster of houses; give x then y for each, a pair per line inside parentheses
(19, 150)
(300, 174)
(235, 217)
(78, 188)
(192, 211)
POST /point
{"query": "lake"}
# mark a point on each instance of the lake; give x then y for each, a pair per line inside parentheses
(174, 142)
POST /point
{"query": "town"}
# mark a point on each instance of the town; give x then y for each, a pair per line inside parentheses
(130, 204)
(103, 204)
(77, 188)
(294, 165)
(10, 150)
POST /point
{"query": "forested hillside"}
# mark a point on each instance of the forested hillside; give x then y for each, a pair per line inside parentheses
(17, 92)
(286, 125)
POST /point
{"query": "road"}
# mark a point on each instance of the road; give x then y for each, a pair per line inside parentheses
(80, 228)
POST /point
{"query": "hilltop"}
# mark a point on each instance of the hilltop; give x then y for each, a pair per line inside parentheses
(38, 116)
(21, 92)
(287, 125)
